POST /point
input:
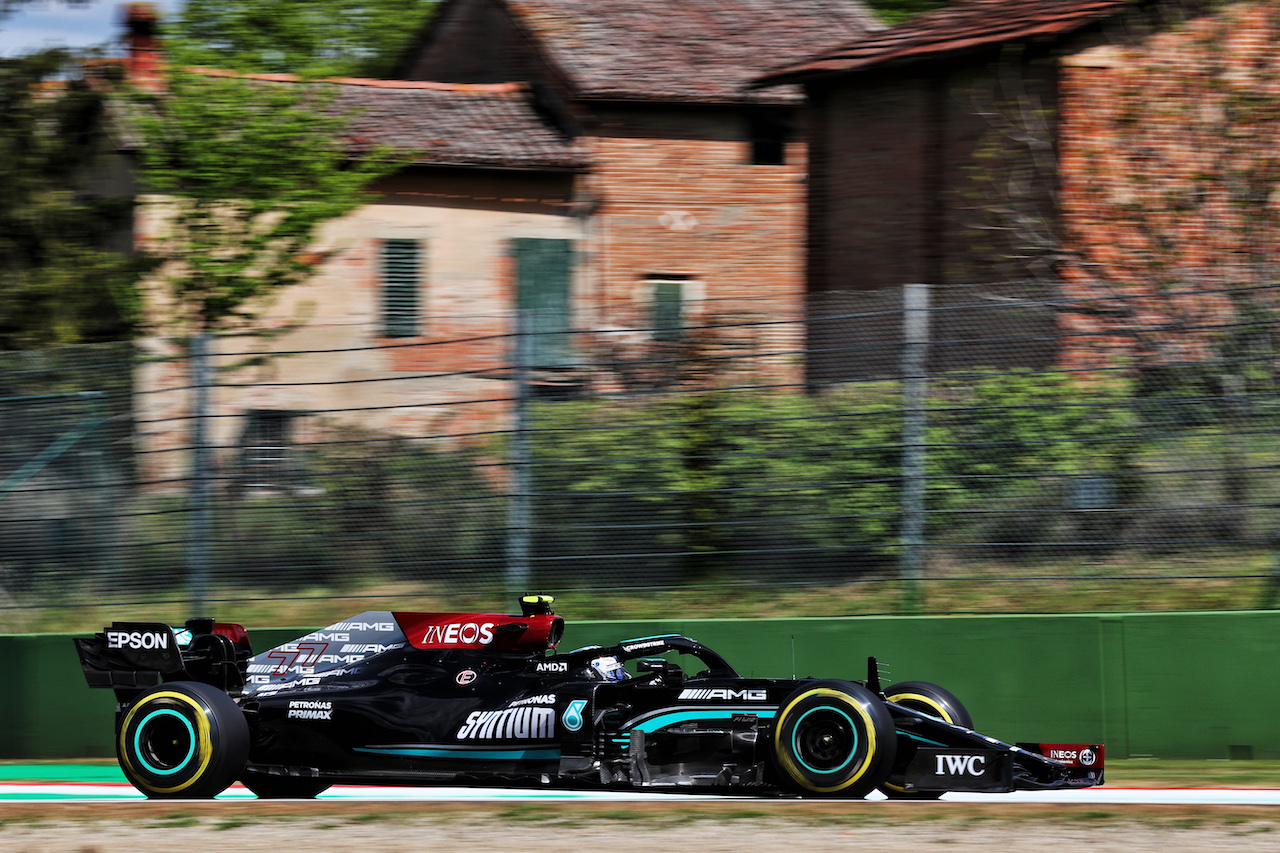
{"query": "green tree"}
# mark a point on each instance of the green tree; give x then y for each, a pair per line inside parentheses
(1162, 181)
(66, 272)
(241, 173)
(1150, 205)
(313, 38)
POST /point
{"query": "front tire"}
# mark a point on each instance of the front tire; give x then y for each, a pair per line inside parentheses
(928, 699)
(182, 739)
(833, 738)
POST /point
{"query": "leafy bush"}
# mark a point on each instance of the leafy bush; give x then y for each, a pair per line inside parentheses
(741, 484)
(718, 482)
(697, 486)
(1011, 453)
(367, 508)
(407, 509)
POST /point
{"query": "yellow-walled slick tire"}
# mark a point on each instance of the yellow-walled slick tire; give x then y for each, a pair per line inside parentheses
(833, 739)
(182, 740)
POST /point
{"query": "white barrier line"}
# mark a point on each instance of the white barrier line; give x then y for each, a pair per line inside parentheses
(89, 792)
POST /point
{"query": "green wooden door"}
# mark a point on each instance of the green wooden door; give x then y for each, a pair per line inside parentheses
(543, 270)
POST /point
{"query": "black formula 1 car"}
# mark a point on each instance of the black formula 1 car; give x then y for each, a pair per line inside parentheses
(394, 698)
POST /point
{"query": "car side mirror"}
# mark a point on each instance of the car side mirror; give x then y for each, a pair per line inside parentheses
(660, 672)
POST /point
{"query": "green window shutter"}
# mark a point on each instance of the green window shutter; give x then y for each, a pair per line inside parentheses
(668, 310)
(543, 270)
(401, 264)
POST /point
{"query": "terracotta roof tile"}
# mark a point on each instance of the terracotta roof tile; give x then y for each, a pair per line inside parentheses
(464, 125)
(685, 50)
(966, 24)
(456, 124)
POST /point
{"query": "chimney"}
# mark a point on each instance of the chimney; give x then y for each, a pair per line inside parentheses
(144, 61)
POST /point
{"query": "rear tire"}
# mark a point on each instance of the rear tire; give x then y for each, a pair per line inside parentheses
(928, 699)
(182, 739)
(284, 787)
(833, 739)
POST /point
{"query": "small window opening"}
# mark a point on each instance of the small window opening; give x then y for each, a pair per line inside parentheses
(769, 134)
(269, 459)
(400, 282)
(667, 313)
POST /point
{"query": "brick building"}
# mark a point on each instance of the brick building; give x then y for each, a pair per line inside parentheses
(430, 260)
(601, 163)
(691, 199)
(917, 133)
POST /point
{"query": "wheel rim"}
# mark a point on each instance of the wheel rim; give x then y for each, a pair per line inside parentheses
(164, 742)
(824, 740)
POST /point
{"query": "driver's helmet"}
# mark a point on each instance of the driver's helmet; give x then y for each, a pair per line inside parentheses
(609, 668)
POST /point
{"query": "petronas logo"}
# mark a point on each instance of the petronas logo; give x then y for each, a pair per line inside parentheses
(572, 718)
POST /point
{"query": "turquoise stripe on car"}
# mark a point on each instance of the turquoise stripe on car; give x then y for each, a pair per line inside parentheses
(663, 720)
(526, 754)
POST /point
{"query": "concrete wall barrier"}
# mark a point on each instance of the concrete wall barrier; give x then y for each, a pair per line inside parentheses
(1169, 685)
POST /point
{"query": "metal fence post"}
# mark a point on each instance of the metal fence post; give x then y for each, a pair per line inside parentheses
(915, 299)
(106, 557)
(519, 511)
(200, 523)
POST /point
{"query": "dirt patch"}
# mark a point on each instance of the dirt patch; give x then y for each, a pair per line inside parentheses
(739, 826)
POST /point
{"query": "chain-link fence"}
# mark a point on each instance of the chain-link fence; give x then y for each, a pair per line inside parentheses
(66, 466)
(930, 449)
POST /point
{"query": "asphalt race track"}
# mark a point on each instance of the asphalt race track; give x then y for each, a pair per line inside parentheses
(103, 783)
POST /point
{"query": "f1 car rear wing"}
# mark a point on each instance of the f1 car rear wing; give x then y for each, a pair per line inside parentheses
(130, 656)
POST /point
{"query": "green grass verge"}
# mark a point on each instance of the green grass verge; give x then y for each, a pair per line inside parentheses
(1164, 773)
(1228, 581)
